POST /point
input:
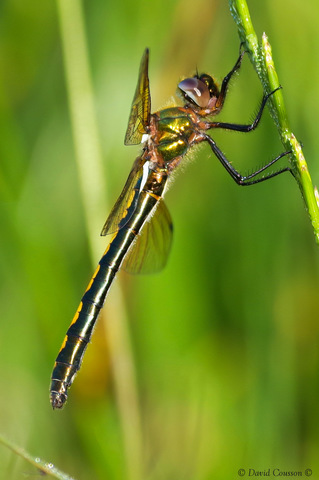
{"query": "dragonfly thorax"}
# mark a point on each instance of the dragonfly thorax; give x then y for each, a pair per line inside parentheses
(174, 129)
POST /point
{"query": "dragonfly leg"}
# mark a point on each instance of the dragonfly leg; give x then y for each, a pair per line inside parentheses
(225, 82)
(239, 127)
(251, 178)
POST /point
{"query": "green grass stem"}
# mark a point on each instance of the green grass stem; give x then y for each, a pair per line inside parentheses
(42, 466)
(260, 54)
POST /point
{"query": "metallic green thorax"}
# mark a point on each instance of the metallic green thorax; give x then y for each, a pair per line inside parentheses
(174, 129)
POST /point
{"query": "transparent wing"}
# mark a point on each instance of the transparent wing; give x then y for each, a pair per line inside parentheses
(141, 106)
(149, 252)
(126, 203)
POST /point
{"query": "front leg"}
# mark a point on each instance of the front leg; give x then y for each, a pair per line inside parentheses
(225, 82)
(239, 127)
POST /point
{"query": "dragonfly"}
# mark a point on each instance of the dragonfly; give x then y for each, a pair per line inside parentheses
(140, 225)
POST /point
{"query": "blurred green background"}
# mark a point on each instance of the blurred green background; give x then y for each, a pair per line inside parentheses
(211, 365)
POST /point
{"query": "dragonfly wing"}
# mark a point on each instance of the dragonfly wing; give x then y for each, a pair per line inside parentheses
(127, 201)
(150, 251)
(141, 106)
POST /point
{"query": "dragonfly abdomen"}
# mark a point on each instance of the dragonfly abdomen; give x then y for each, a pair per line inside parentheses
(66, 366)
(78, 336)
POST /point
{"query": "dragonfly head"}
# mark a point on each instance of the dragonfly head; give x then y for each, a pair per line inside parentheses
(201, 91)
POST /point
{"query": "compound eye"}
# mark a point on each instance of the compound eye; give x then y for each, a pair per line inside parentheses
(209, 81)
(196, 90)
